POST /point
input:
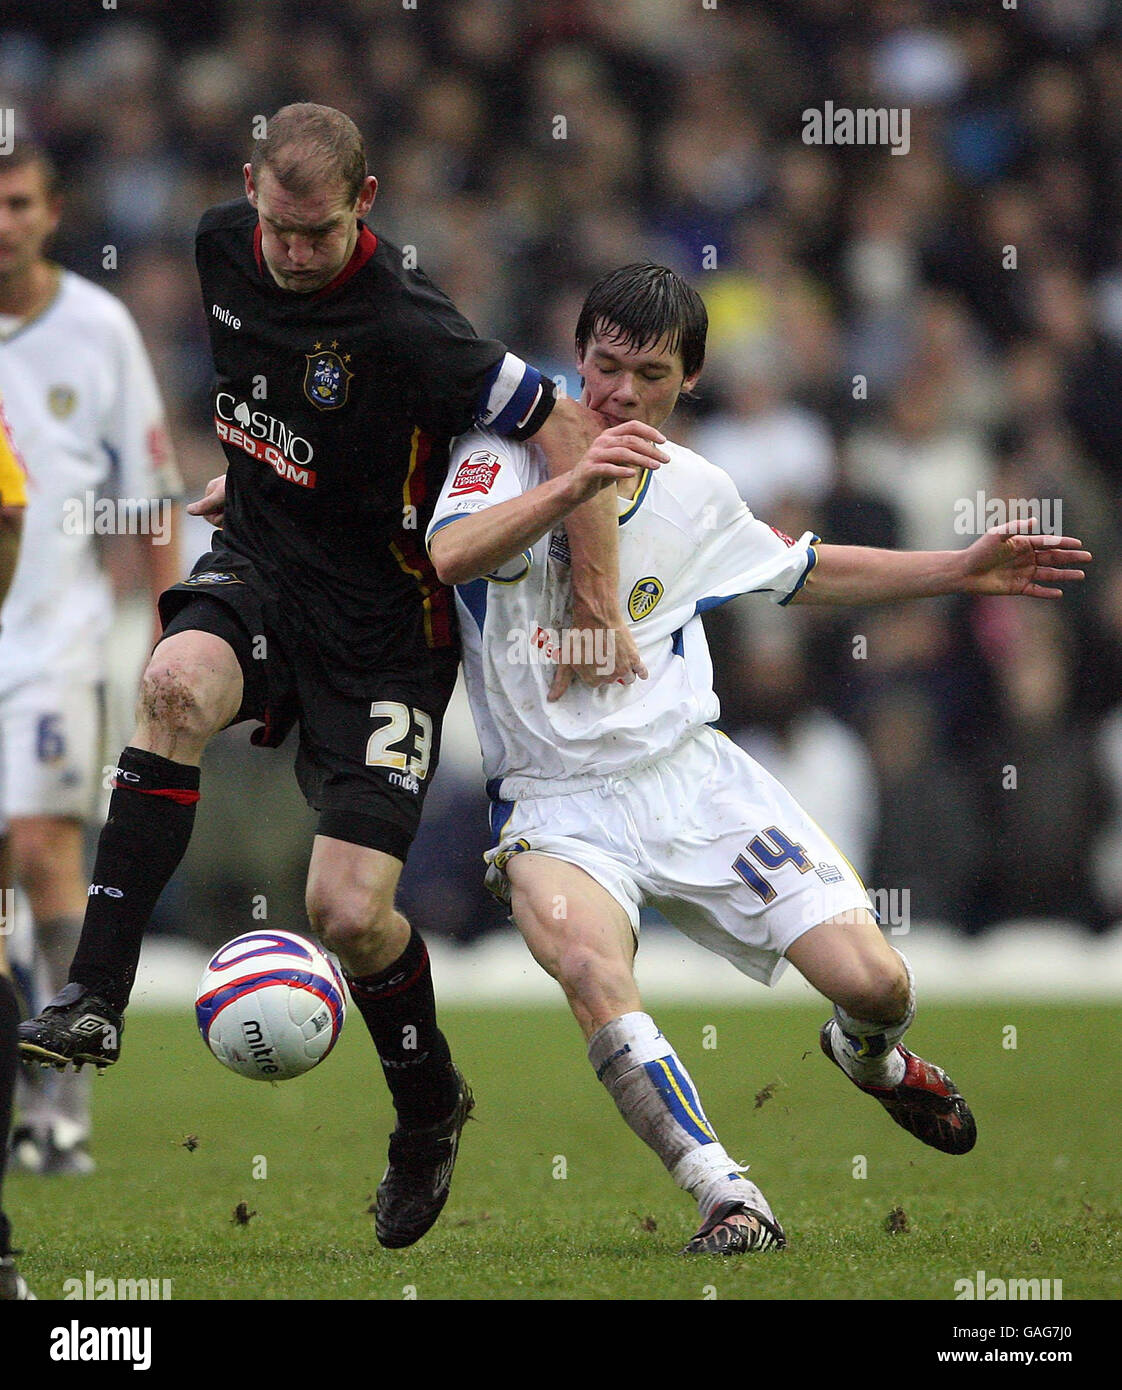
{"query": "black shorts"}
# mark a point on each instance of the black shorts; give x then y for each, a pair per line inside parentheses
(365, 761)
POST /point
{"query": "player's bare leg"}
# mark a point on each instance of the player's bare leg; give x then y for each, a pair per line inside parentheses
(47, 859)
(350, 902)
(871, 987)
(191, 688)
(582, 937)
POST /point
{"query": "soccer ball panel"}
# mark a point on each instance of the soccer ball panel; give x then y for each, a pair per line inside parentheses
(270, 1005)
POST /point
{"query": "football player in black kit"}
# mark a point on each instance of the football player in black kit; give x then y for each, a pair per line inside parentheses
(341, 378)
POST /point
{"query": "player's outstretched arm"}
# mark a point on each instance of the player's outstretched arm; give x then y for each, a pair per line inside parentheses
(1011, 559)
(593, 532)
(479, 543)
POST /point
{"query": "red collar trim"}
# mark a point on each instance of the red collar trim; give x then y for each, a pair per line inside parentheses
(365, 247)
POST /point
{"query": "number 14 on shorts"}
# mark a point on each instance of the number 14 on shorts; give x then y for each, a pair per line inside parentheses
(772, 849)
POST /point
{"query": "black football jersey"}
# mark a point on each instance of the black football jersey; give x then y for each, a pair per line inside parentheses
(336, 411)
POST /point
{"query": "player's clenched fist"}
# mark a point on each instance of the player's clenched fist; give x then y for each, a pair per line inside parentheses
(616, 454)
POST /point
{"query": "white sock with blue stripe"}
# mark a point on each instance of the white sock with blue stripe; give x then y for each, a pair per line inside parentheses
(655, 1095)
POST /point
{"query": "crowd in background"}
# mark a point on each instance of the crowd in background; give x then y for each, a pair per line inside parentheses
(892, 336)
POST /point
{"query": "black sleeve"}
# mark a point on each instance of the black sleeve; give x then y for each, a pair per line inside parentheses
(445, 365)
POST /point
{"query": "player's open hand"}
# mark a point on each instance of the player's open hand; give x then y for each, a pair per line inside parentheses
(1015, 558)
(212, 504)
(617, 453)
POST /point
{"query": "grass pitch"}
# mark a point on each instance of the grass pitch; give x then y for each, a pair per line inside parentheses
(554, 1198)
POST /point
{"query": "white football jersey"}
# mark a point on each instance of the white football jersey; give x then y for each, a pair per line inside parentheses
(86, 414)
(686, 543)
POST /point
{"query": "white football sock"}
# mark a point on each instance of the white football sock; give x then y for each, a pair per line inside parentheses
(655, 1095)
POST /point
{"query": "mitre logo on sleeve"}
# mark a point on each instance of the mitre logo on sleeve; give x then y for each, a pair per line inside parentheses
(326, 378)
(477, 473)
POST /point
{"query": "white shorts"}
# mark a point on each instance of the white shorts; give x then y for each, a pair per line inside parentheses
(707, 837)
(50, 749)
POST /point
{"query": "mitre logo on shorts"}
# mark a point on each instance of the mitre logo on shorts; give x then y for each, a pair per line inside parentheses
(477, 473)
(643, 597)
(783, 536)
(264, 437)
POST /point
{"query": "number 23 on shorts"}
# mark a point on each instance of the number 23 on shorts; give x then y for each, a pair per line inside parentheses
(401, 723)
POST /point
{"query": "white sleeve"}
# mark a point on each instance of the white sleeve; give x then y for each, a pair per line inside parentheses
(484, 469)
(135, 428)
(739, 554)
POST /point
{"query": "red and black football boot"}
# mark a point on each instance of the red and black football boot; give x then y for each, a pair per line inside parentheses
(926, 1103)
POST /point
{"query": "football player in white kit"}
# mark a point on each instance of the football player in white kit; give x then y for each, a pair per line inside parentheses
(87, 413)
(606, 800)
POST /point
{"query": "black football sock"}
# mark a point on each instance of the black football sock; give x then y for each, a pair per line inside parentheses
(399, 1008)
(151, 815)
(9, 1066)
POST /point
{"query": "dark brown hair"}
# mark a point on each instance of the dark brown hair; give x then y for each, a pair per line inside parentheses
(641, 304)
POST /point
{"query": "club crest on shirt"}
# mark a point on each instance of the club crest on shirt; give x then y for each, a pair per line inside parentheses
(643, 597)
(326, 379)
(476, 473)
(61, 401)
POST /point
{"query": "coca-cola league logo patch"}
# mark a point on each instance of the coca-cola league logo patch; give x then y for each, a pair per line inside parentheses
(477, 473)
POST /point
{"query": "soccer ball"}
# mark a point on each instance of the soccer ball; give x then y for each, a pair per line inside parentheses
(270, 1005)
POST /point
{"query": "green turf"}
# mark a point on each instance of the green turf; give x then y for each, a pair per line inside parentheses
(1038, 1198)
